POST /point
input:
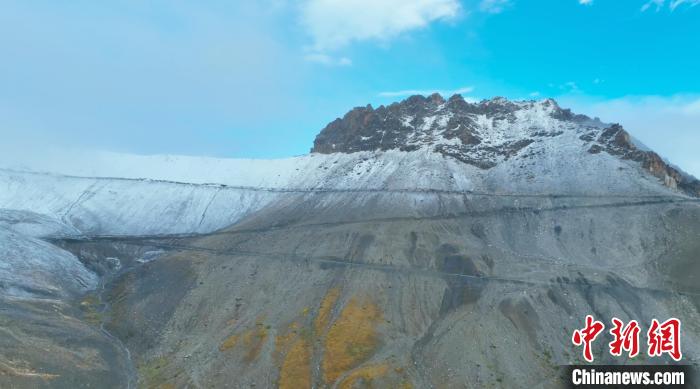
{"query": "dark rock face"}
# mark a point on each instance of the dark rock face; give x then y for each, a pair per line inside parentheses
(616, 141)
(487, 133)
(450, 127)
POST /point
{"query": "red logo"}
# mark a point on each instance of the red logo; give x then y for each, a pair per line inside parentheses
(587, 335)
(626, 338)
(662, 338)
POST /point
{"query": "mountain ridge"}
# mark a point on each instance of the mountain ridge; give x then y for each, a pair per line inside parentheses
(486, 133)
(186, 272)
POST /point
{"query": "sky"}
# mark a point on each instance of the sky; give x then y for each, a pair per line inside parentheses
(259, 79)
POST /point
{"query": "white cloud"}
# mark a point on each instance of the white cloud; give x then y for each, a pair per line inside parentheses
(672, 4)
(494, 6)
(675, 3)
(335, 23)
(567, 87)
(325, 59)
(668, 125)
(658, 3)
(425, 92)
(692, 108)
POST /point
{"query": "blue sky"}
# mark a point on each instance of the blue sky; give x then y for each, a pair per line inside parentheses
(261, 78)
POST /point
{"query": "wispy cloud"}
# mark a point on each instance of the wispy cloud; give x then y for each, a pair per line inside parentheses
(494, 6)
(567, 87)
(325, 59)
(425, 92)
(672, 4)
(335, 23)
(675, 3)
(658, 5)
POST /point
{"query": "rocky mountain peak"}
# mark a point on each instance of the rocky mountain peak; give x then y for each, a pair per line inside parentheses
(488, 133)
(475, 133)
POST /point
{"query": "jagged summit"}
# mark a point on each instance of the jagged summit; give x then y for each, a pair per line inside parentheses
(476, 133)
(418, 121)
(490, 133)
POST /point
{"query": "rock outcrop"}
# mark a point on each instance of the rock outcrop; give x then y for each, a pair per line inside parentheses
(487, 133)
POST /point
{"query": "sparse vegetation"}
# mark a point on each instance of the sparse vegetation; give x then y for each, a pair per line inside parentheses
(229, 343)
(324, 311)
(351, 339)
(90, 308)
(254, 341)
(296, 368)
(157, 374)
(365, 375)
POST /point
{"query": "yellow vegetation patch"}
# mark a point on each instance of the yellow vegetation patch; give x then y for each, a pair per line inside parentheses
(229, 343)
(158, 373)
(283, 340)
(324, 312)
(351, 339)
(364, 375)
(254, 340)
(91, 314)
(296, 369)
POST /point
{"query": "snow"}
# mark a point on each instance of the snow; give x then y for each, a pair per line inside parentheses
(108, 193)
(35, 225)
(100, 193)
(130, 207)
(32, 268)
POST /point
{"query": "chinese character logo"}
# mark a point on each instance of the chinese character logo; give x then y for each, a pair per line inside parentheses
(625, 338)
(662, 338)
(587, 335)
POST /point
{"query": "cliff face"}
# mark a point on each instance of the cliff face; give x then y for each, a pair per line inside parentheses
(616, 141)
(433, 121)
(487, 133)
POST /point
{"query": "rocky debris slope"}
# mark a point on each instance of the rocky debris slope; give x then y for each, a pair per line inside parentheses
(49, 314)
(404, 289)
(430, 243)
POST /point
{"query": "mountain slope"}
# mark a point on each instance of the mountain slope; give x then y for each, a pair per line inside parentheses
(430, 243)
(495, 146)
(427, 289)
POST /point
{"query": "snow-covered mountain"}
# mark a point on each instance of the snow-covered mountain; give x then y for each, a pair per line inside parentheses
(514, 144)
(420, 144)
(414, 224)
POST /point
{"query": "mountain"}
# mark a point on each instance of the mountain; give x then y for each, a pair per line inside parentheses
(429, 243)
(494, 134)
